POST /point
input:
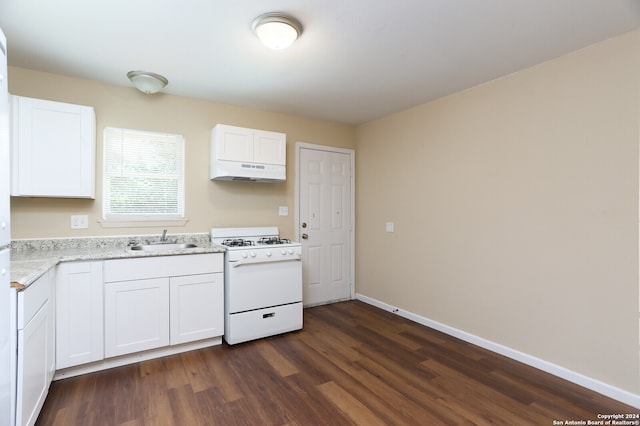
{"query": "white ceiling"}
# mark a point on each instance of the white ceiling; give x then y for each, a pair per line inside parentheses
(357, 60)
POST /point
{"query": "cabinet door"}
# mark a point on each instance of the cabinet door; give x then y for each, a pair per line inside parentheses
(136, 316)
(233, 143)
(53, 146)
(8, 342)
(4, 151)
(197, 309)
(51, 327)
(32, 382)
(79, 314)
(35, 343)
(269, 147)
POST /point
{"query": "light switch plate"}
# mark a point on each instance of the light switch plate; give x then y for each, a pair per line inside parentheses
(283, 210)
(389, 226)
(80, 221)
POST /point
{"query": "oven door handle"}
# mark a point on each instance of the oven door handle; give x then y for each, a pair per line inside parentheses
(259, 261)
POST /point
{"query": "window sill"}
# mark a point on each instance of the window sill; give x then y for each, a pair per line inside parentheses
(142, 223)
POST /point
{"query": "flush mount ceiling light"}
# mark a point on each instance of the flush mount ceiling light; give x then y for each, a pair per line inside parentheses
(277, 30)
(147, 82)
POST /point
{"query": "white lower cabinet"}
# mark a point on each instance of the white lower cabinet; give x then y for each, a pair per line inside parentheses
(79, 314)
(136, 316)
(154, 302)
(84, 312)
(36, 343)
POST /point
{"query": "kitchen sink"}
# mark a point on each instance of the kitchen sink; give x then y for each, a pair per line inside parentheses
(163, 247)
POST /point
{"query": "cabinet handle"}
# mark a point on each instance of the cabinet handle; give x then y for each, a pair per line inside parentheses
(271, 315)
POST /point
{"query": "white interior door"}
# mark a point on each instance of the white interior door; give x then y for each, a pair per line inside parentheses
(325, 223)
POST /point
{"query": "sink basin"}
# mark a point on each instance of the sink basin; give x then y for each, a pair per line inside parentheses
(163, 247)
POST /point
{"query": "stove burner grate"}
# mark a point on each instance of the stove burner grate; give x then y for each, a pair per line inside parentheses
(273, 240)
(237, 242)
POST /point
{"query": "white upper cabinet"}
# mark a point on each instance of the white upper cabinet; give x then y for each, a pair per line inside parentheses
(249, 145)
(269, 147)
(233, 143)
(53, 149)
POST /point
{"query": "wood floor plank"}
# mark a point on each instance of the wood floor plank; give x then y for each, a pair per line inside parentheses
(264, 389)
(341, 370)
(317, 407)
(155, 406)
(422, 392)
(276, 359)
(223, 380)
(351, 364)
(484, 400)
(349, 405)
(337, 340)
(175, 375)
(200, 377)
(184, 406)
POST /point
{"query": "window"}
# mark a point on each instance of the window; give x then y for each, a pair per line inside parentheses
(143, 176)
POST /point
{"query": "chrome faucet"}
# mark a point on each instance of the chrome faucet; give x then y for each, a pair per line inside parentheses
(163, 238)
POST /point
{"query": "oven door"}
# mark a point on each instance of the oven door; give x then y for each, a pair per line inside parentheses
(261, 283)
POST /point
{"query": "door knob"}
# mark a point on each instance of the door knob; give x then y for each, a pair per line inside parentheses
(304, 224)
(305, 236)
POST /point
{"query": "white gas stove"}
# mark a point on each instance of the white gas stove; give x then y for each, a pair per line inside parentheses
(262, 282)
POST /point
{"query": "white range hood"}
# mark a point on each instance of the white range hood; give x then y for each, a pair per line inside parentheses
(242, 154)
(234, 170)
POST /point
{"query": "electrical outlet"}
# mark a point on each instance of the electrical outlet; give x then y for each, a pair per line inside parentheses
(283, 210)
(80, 221)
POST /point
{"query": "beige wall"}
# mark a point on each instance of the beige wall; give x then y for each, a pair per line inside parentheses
(516, 211)
(208, 203)
(515, 203)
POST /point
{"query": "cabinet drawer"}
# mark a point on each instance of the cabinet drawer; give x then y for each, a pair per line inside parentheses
(31, 299)
(162, 266)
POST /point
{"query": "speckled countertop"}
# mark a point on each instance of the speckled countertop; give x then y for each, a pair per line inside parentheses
(32, 258)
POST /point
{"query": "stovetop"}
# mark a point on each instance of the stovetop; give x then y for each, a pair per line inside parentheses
(249, 238)
(242, 242)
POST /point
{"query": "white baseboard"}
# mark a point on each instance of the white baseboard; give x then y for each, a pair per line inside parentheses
(577, 378)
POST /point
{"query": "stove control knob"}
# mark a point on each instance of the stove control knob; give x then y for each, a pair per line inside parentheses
(283, 252)
(290, 251)
(268, 253)
(252, 254)
(244, 255)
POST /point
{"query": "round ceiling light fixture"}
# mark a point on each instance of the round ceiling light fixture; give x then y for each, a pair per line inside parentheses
(147, 82)
(276, 30)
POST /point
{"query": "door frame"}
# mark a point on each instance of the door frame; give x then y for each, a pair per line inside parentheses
(352, 201)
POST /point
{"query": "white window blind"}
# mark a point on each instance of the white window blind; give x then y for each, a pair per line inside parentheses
(143, 175)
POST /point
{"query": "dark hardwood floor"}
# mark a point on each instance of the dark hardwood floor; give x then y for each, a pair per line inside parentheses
(351, 364)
